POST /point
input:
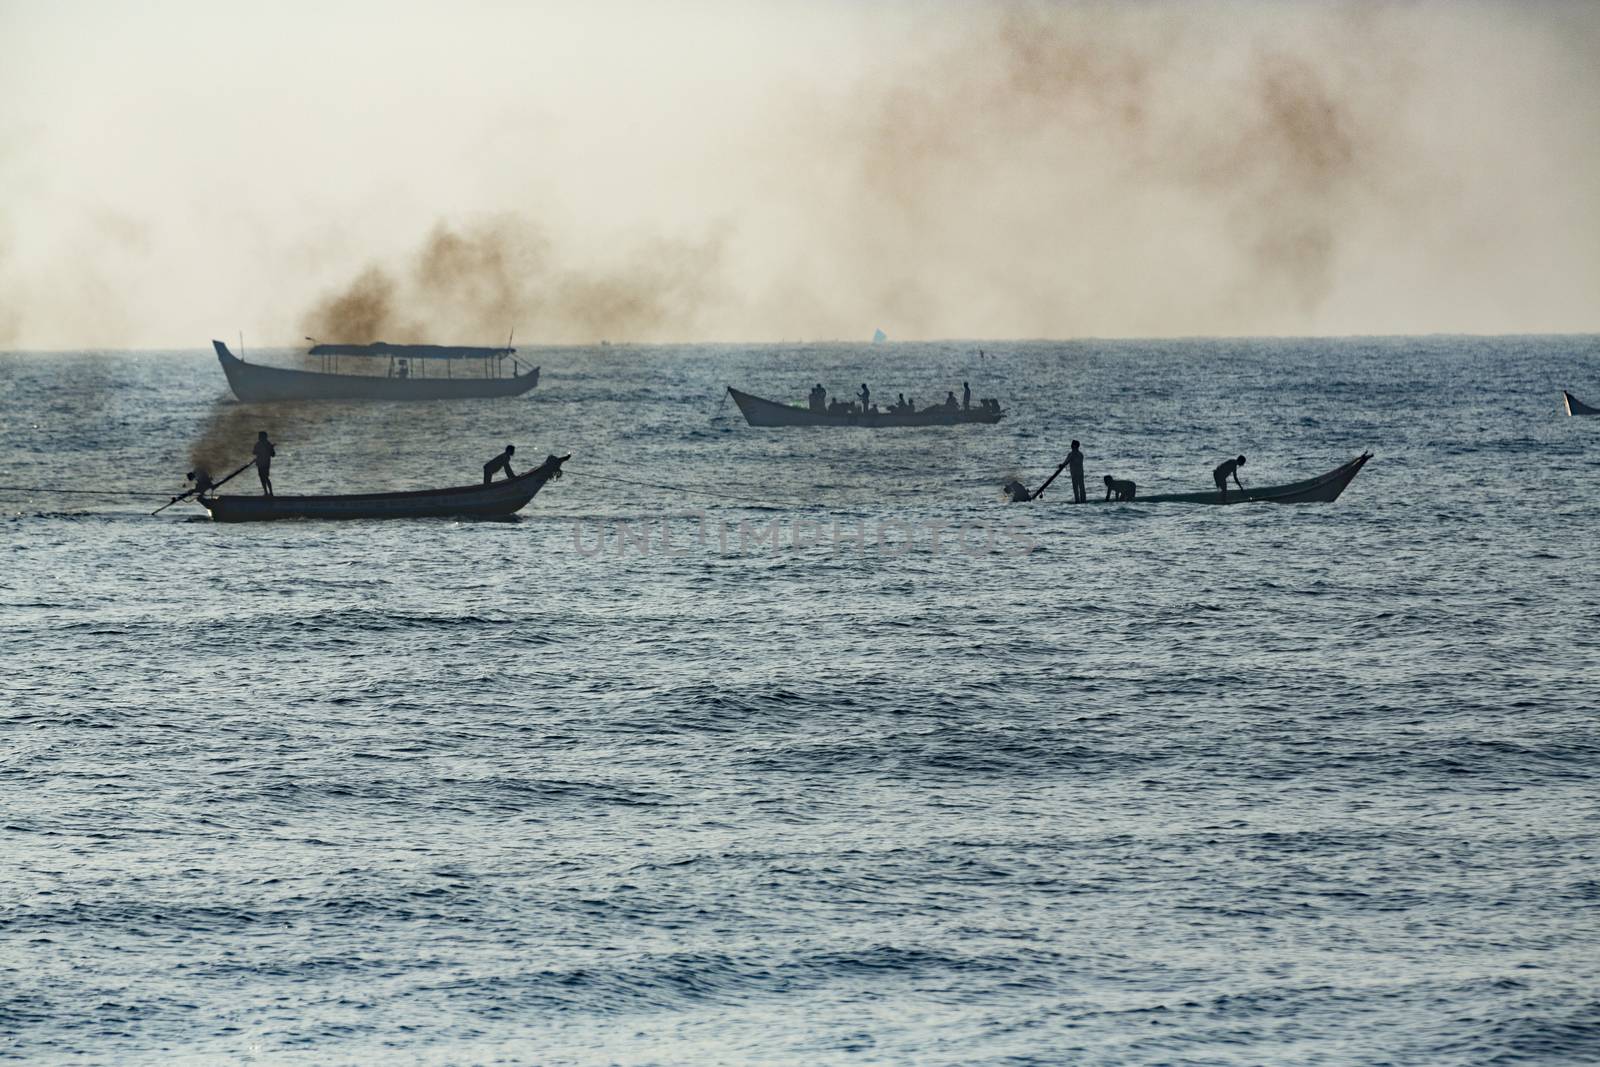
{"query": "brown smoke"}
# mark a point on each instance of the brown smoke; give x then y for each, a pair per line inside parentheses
(935, 168)
(1065, 158)
(475, 284)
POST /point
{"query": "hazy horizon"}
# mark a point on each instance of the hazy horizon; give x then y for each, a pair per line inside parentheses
(764, 172)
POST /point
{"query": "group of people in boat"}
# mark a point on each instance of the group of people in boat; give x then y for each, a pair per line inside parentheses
(1123, 489)
(819, 403)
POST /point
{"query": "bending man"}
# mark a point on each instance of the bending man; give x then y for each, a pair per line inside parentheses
(1223, 471)
(502, 462)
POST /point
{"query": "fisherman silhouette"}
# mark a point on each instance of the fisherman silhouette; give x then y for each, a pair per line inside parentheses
(1075, 468)
(1224, 469)
(1017, 491)
(966, 396)
(819, 398)
(263, 451)
(201, 480)
(1120, 488)
(866, 397)
(502, 462)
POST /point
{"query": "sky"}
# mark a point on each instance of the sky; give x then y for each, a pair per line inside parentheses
(763, 171)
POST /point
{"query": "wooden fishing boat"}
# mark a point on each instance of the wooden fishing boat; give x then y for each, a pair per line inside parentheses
(495, 500)
(1322, 489)
(1576, 406)
(759, 412)
(407, 377)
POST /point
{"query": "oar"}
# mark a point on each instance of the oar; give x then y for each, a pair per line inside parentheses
(235, 474)
(1047, 481)
(196, 489)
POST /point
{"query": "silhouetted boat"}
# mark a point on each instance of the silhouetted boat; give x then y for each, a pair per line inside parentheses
(1576, 406)
(256, 383)
(759, 412)
(495, 500)
(1319, 490)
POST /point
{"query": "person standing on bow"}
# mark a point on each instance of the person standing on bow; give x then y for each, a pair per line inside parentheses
(502, 462)
(866, 397)
(263, 451)
(1075, 467)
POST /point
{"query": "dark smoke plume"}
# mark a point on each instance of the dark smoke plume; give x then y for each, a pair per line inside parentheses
(229, 433)
(475, 284)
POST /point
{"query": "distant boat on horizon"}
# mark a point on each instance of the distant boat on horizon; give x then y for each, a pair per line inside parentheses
(405, 376)
(878, 337)
(759, 411)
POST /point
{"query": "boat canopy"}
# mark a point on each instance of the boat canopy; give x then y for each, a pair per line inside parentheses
(384, 348)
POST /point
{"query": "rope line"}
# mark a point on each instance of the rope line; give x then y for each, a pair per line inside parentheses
(80, 492)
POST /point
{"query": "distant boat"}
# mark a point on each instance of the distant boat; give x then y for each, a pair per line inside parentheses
(1576, 406)
(878, 337)
(495, 500)
(1322, 489)
(256, 383)
(759, 412)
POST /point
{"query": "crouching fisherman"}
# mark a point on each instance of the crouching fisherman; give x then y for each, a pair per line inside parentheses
(1120, 488)
(502, 462)
(202, 482)
(1017, 491)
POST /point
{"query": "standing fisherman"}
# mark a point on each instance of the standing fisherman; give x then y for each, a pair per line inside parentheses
(1224, 469)
(502, 462)
(866, 397)
(264, 452)
(966, 396)
(1075, 463)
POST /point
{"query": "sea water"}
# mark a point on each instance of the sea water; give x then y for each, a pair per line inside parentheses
(751, 746)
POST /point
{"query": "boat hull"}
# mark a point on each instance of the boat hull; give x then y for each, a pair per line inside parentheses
(495, 500)
(760, 412)
(254, 383)
(1576, 406)
(1323, 489)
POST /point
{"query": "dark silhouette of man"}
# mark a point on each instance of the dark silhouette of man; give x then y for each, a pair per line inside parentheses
(502, 462)
(1224, 469)
(866, 397)
(966, 396)
(1075, 467)
(263, 451)
(819, 398)
(1120, 488)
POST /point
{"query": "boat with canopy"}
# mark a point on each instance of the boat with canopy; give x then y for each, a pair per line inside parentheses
(382, 371)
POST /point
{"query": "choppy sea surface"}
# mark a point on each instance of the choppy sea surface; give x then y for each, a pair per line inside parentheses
(750, 746)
